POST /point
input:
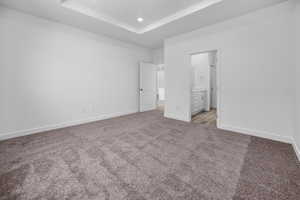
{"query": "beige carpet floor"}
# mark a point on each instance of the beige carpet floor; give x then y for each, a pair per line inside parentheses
(145, 156)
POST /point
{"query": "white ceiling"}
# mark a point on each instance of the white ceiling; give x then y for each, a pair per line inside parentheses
(124, 14)
(118, 18)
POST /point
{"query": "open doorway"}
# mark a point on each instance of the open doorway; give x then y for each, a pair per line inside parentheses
(152, 87)
(160, 87)
(204, 88)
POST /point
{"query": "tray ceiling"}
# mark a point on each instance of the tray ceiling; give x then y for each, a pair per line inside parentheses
(154, 13)
(162, 18)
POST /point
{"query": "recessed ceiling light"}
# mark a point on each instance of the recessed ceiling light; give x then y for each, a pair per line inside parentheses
(140, 19)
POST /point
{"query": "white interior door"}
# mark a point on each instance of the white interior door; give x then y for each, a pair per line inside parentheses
(213, 87)
(148, 86)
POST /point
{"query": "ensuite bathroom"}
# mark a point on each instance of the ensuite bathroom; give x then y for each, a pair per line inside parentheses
(204, 88)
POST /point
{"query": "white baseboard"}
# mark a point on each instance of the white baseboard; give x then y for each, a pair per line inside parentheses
(19, 133)
(297, 150)
(262, 134)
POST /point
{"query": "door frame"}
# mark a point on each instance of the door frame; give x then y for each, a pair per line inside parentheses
(218, 80)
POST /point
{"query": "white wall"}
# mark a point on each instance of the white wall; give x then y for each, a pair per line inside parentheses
(297, 75)
(158, 56)
(254, 69)
(52, 75)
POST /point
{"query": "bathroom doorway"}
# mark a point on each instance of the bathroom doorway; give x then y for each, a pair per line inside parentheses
(204, 88)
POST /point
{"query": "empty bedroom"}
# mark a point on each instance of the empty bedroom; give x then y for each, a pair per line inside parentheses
(149, 100)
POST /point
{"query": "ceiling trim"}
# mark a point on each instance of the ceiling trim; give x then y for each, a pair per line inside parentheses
(180, 14)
